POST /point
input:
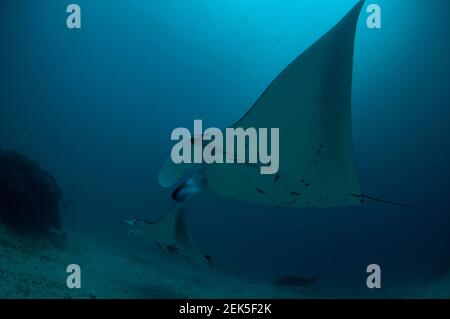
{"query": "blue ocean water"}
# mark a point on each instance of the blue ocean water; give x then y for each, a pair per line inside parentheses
(96, 107)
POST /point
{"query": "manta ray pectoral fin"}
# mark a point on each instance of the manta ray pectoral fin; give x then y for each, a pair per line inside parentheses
(170, 233)
(309, 102)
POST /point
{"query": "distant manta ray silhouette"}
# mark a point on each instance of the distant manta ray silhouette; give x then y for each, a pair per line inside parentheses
(310, 103)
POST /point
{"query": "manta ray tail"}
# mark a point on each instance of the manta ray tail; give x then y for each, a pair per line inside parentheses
(375, 199)
(170, 233)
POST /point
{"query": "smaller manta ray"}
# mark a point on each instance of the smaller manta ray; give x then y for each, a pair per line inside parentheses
(310, 103)
(170, 233)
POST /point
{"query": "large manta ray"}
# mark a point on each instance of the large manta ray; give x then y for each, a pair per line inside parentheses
(310, 103)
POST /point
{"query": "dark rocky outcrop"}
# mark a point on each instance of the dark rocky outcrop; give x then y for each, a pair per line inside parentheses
(29, 196)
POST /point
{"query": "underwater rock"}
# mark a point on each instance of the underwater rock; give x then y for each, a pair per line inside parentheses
(29, 197)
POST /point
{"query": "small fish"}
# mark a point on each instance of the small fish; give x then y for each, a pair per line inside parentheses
(276, 178)
(209, 259)
(173, 249)
(260, 191)
(132, 222)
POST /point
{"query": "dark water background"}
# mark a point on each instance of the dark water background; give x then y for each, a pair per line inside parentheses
(96, 107)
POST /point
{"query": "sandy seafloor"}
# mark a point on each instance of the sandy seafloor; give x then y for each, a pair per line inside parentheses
(37, 269)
